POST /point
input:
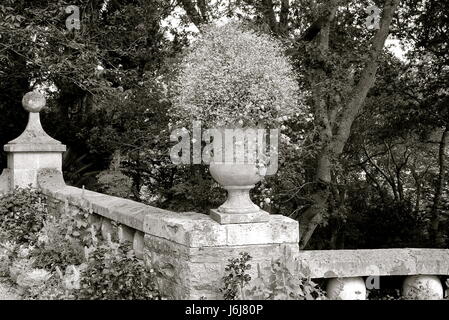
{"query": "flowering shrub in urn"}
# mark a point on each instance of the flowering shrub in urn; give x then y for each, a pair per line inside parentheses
(239, 85)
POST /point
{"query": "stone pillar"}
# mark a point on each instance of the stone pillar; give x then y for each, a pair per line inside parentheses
(32, 151)
(346, 289)
(422, 287)
(189, 251)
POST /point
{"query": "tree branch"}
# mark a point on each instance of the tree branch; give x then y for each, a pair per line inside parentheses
(367, 77)
(194, 15)
(283, 16)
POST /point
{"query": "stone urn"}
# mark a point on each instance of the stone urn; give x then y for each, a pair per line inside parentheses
(238, 178)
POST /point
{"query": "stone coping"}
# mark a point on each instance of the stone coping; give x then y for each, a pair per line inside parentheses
(187, 228)
(124, 211)
(369, 262)
(199, 230)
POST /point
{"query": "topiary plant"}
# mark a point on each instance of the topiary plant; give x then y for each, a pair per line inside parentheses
(233, 75)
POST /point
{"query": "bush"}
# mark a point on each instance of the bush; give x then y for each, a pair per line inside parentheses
(114, 273)
(22, 214)
(57, 254)
(277, 282)
(60, 257)
(62, 239)
(237, 277)
(235, 75)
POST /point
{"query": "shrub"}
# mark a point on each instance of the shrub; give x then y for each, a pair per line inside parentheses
(235, 75)
(57, 254)
(115, 183)
(282, 284)
(114, 273)
(62, 258)
(237, 277)
(62, 239)
(276, 282)
(22, 214)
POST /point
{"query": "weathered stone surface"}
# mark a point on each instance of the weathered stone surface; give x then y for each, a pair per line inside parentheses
(4, 181)
(34, 160)
(33, 278)
(199, 230)
(34, 134)
(34, 148)
(138, 244)
(191, 273)
(95, 220)
(422, 287)
(22, 178)
(346, 289)
(125, 233)
(33, 101)
(124, 211)
(50, 179)
(237, 218)
(107, 230)
(354, 263)
(188, 251)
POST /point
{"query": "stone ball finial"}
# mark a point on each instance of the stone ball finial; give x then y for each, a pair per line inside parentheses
(33, 101)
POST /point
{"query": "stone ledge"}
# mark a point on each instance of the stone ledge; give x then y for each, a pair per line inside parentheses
(199, 230)
(369, 262)
(124, 211)
(189, 229)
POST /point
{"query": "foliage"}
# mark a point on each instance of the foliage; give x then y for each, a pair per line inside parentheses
(281, 284)
(115, 183)
(114, 273)
(81, 265)
(234, 75)
(56, 249)
(237, 277)
(52, 289)
(22, 214)
(274, 282)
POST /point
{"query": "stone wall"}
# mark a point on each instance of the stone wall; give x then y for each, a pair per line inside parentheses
(189, 251)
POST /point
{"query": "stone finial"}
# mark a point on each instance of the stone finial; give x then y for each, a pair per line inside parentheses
(34, 138)
(34, 152)
(33, 101)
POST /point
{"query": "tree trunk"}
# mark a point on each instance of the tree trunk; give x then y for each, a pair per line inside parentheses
(437, 236)
(333, 147)
(418, 189)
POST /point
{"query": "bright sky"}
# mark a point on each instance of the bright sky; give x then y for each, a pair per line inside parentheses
(174, 21)
(394, 46)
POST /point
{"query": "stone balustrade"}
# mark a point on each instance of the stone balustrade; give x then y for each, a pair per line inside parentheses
(189, 251)
(346, 268)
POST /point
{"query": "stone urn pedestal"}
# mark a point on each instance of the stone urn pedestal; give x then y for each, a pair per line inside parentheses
(238, 179)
